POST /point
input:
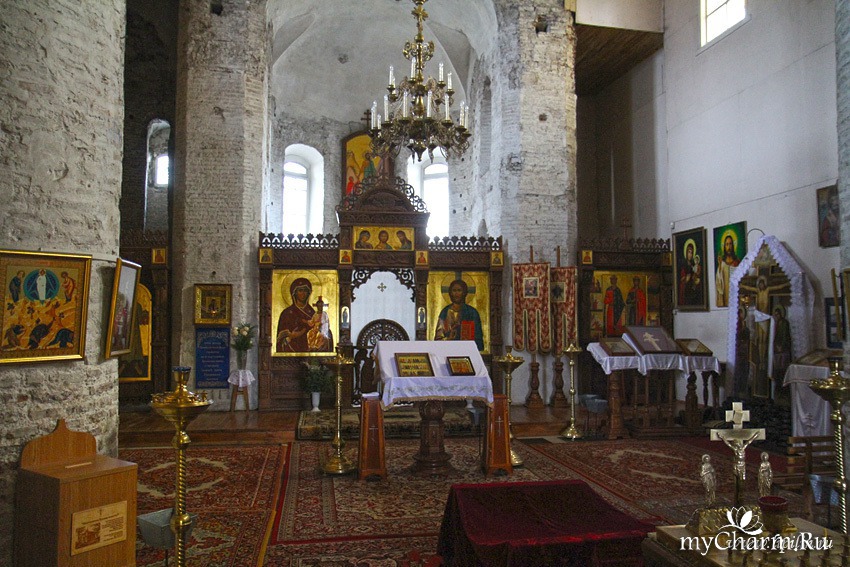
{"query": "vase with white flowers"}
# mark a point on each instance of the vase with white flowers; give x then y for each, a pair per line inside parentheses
(243, 341)
(317, 379)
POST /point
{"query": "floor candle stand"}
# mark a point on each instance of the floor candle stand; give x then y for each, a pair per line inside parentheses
(836, 391)
(338, 463)
(572, 431)
(180, 407)
(509, 363)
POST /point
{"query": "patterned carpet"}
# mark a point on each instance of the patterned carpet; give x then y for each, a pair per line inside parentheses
(271, 505)
(399, 422)
(233, 491)
(340, 521)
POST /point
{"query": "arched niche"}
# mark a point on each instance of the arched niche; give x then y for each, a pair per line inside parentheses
(768, 279)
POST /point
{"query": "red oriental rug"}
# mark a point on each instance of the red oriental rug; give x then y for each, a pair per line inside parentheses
(658, 475)
(232, 489)
(340, 521)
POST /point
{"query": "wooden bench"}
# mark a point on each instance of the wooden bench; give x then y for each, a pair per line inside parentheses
(805, 456)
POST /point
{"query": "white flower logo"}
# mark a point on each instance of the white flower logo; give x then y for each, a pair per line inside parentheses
(743, 519)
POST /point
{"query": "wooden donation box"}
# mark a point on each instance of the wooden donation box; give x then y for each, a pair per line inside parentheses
(74, 507)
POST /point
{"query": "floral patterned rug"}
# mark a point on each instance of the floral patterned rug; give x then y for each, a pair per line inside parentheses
(341, 521)
(232, 489)
(399, 422)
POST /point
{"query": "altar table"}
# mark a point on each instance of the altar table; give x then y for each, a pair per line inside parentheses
(431, 391)
(559, 522)
(683, 365)
(810, 414)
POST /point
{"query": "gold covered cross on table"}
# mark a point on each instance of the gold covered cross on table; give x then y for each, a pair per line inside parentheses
(738, 439)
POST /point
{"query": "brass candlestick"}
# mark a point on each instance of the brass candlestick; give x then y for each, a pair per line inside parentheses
(836, 391)
(572, 431)
(509, 363)
(338, 463)
(180, 407)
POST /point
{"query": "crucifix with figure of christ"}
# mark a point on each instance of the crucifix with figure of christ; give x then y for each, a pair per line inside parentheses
(738, 439)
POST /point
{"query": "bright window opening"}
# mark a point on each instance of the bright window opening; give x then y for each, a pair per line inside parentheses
(295, 198)
(719, 15)
(161, 171)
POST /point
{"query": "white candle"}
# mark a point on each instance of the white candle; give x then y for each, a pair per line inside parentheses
(404, 105)
(387, 106)
(449, 83)
(379, 122)
(441, 72)
(374, 112)
(428, 103)
(412, 66)
(392, 77)
(446, 104)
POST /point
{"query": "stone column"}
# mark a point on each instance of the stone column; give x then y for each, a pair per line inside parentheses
(61, 123)
(532, 181)
(220, 154)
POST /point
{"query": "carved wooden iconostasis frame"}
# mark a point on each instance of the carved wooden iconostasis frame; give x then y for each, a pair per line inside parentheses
(146, 369)
(647, 261)
(378, 204)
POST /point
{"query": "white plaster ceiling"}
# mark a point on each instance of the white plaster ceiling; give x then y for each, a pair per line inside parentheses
(330, 58)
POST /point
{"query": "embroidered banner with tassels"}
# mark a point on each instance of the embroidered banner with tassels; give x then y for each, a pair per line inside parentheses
(532, 322)
(564, 282)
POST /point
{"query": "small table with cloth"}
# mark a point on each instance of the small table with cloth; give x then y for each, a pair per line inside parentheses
(431, 391)
(529, 524)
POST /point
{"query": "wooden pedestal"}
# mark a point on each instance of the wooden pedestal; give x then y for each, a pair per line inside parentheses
(74, 507)
(370, 459)
(497, 452)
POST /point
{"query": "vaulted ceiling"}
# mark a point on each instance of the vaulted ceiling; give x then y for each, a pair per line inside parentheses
(330, 62)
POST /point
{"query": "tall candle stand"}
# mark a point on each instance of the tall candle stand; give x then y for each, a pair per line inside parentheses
(509, 363)
(337, 463)
(180, 407)
(836, 390)
(572, 431)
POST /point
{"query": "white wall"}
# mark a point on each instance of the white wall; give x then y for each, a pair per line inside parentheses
(743, 129)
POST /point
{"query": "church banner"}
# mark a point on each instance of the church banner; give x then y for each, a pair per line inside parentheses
(564, 283)
(532, 323)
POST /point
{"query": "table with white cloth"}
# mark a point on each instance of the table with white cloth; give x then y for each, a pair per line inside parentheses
(241, 379)
(431, 391)
(680, 364)
(810, 414)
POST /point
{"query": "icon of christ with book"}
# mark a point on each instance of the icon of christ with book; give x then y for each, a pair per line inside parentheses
(459, 321)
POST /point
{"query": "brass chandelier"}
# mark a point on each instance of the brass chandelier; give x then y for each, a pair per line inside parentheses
(418, 112)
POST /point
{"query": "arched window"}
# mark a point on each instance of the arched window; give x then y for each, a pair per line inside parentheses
(303, 191)
(430, 181)
(157, 175)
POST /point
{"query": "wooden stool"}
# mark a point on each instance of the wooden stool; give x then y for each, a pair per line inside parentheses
(370, 459)
(497, 452)
(234, 395)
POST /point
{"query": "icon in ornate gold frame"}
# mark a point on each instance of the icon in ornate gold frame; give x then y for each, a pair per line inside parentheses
(212, 304)
(122, 310)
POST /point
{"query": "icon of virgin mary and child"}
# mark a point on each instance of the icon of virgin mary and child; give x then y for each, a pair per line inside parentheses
(303, 327)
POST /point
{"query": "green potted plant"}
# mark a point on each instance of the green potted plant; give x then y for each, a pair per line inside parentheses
(317, 379)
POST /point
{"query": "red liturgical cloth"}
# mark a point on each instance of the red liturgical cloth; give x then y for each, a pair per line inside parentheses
(537, 524)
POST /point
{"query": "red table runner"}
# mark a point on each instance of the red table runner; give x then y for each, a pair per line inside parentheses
(546, 523)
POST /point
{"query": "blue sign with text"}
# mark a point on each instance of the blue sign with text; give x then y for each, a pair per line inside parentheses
(212, 357)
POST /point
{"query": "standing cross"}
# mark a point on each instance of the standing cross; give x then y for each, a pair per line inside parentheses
(738, 439)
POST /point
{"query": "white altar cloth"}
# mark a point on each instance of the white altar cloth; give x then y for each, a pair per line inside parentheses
(241, 378)
(441, 386)
(611, 364)
(809, 412)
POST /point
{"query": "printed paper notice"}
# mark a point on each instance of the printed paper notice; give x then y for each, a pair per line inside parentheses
(98, 527)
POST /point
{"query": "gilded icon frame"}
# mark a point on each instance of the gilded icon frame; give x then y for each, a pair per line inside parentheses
(122, 309)
(414, 364)
(213, 305)
(323, 283)
(478, 296)
(62, 295)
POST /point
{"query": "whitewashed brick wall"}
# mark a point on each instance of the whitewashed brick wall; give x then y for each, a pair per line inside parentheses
(61, 124)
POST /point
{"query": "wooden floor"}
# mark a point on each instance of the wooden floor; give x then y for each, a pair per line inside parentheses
(146, 428)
